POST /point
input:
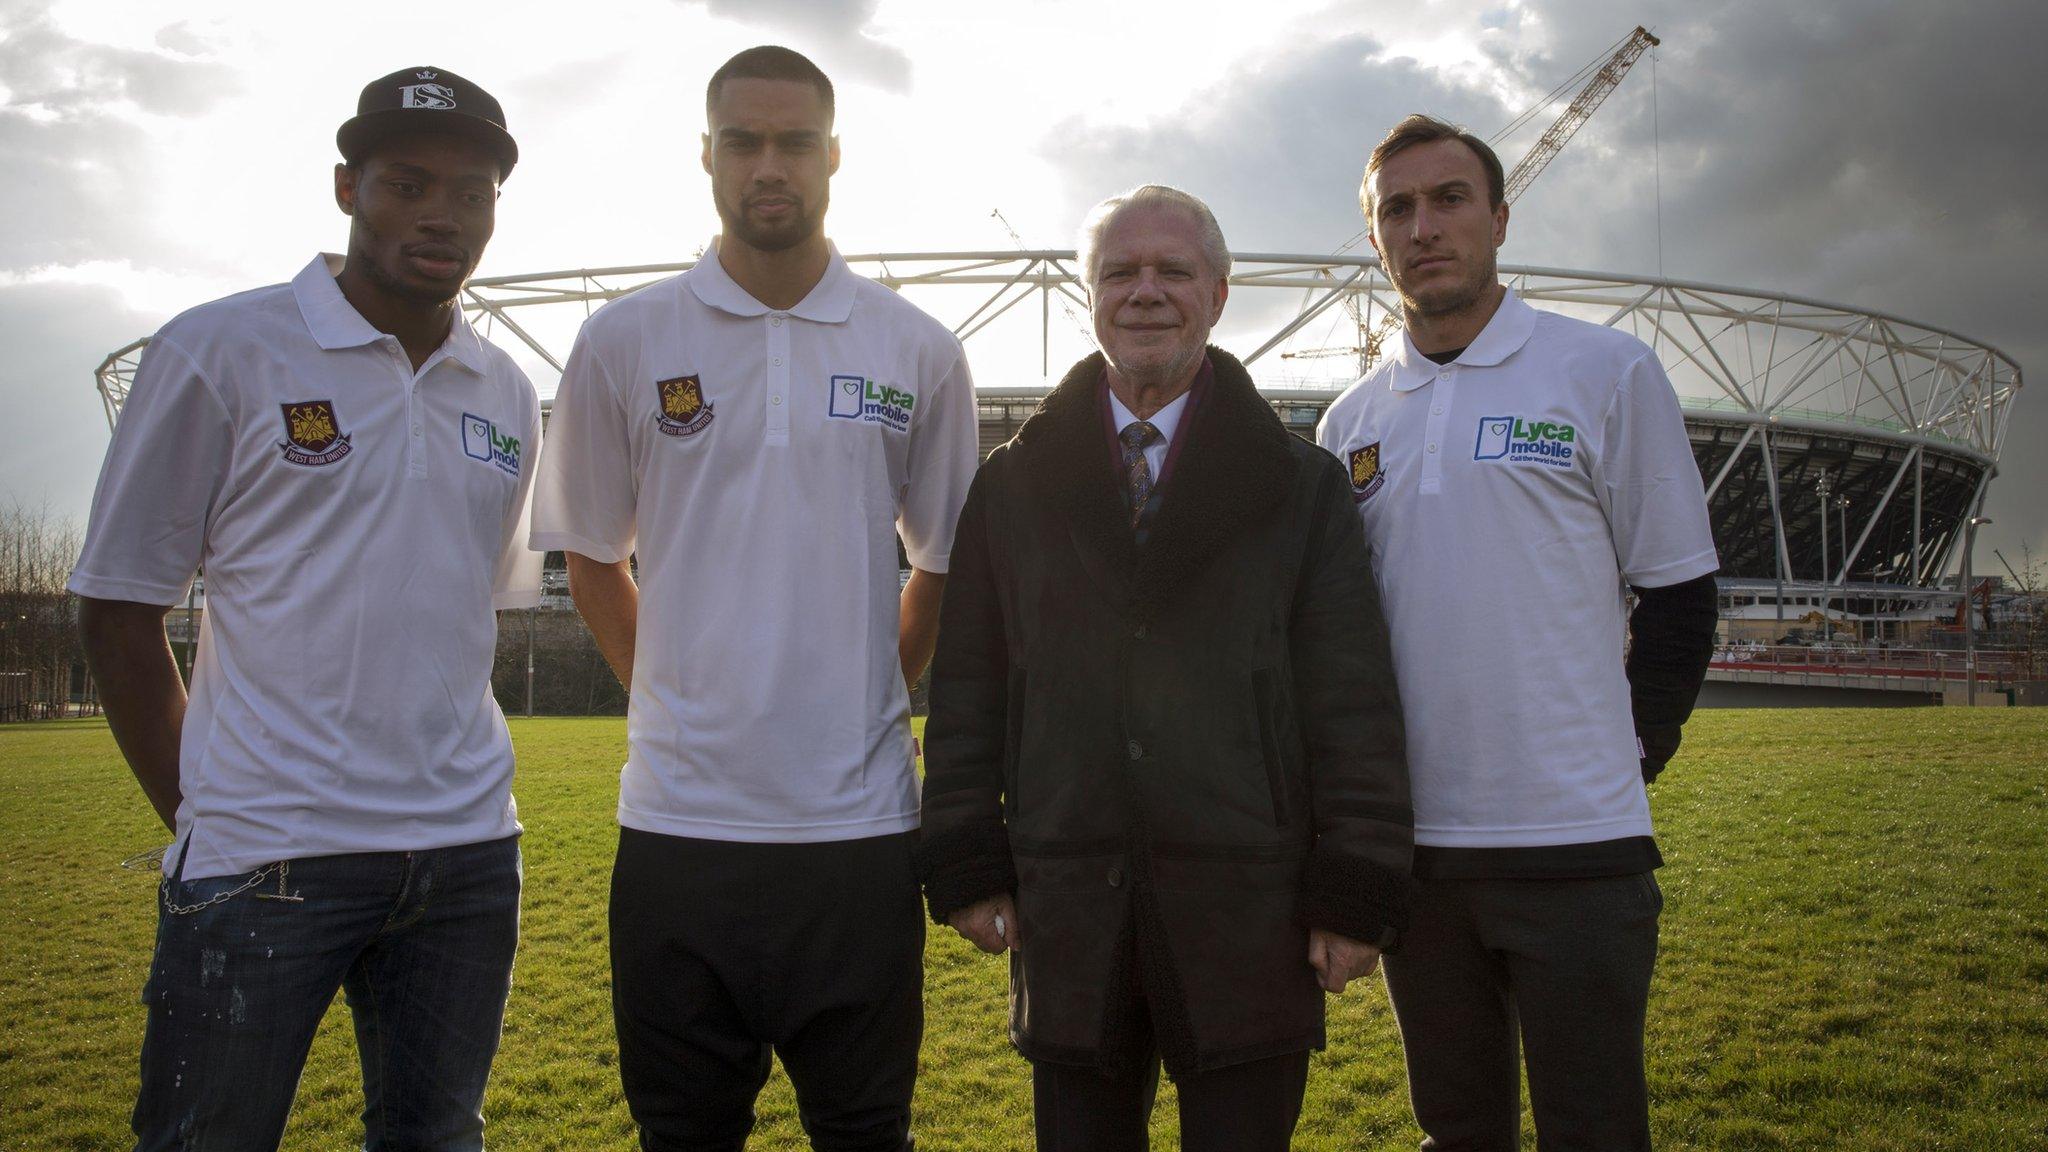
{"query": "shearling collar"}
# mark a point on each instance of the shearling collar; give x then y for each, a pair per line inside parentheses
(1237, 463)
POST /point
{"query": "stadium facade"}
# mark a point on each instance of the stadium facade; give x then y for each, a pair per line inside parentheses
(1844, 450)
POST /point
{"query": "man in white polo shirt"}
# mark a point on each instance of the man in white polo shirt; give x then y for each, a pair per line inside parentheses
(1515, 470)
(758, 431)
(350, 464)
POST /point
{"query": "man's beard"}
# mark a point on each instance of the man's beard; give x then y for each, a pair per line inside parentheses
(1450, 301)
(796, 229)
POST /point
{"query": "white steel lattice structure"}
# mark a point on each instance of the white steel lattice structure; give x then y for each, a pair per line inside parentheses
(1904, 421)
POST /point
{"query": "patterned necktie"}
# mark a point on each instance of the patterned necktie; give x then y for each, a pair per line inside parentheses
(1137, 473)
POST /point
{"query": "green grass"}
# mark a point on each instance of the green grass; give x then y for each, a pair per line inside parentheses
(1855, 955)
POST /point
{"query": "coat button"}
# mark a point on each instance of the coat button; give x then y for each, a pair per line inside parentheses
(1141, 632)
(1116, 877)
(1135, 750)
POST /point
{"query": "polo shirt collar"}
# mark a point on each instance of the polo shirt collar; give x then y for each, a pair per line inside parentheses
(335, 323)
(1510, 328)
(830, 300)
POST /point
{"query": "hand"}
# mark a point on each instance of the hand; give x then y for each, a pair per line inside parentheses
(1338, 960)
(991, 925)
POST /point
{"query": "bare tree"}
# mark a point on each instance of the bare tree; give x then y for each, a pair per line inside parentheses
(2031, 578)
(42, 667)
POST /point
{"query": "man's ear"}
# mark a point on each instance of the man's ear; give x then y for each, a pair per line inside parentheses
(707, 153)
(832, 156)
(1500, 224)
(345, 189)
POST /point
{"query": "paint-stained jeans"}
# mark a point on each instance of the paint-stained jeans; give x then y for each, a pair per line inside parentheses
(246, 966)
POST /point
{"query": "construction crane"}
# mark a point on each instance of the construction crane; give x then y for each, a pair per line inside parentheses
(1599, 80)
(1588, 101)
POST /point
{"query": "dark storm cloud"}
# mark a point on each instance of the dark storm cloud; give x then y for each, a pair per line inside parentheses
(830, 33)
(1276, 149)
(1883, 156)
(70, 142)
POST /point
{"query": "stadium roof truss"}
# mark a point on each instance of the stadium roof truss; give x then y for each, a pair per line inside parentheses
(1904, 421)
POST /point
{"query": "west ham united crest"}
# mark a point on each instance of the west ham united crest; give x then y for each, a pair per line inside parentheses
(1366, 476)
(683, 411)
(312, 434)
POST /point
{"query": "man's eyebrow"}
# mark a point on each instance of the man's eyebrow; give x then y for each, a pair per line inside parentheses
(737, 134)
(404, 169)
(1460, 184)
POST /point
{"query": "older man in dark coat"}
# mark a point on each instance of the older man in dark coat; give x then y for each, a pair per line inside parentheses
(1164, 757)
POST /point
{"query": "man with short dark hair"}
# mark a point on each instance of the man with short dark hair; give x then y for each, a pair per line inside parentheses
(349, 463)
(758, 431)
(1516, 472)
(1164, 754)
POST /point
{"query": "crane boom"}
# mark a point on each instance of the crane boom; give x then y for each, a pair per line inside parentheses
(1582, 108)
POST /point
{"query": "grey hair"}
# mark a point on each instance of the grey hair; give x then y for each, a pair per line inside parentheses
(1214, 251)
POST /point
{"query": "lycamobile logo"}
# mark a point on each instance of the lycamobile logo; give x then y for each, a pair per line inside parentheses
(859, 398)
(1520, 440)
(481, 440)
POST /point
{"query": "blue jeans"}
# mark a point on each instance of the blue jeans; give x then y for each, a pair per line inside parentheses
(246, 965)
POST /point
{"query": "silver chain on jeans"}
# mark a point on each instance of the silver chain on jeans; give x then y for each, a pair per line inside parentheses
(154, 860)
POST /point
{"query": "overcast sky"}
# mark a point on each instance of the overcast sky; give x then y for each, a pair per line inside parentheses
(1883, 155)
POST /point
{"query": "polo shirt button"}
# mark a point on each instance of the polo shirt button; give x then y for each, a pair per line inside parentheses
(415, 429)
(777, 361)
(775, 400)
(777, 321)
(1135, 750)
(1437, 411)
(1116, 877)
(1432, 447)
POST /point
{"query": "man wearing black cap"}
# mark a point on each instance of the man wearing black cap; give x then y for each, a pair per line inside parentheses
(350, 464)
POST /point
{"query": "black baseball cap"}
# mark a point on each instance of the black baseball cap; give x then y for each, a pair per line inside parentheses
(427, 100)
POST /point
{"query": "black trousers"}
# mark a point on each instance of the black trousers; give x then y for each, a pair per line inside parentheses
(1562, 964)
(1250, 1107)
(725, 952)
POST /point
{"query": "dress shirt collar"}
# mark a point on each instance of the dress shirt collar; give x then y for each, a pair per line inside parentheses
(1165, 420)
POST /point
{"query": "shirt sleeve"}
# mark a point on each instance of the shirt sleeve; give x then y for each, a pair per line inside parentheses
(1649, 485)
(944, 453)
(517, 581)
(584, 493)
(165, 472)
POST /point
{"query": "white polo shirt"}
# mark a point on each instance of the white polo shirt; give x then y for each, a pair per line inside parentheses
(357, 522)
(1507, 497)
(761, 464)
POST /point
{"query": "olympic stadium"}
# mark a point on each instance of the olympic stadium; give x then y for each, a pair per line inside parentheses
(1844, 451)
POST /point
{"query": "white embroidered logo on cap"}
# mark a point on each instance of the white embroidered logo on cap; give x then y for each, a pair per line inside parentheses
(438, 96)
